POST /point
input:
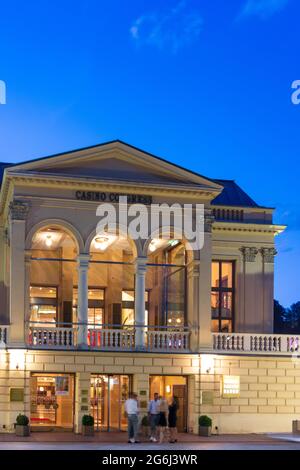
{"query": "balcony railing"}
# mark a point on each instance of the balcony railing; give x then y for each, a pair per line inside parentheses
(111, 339)
(256, 343)
(107, 337)
(168, 340)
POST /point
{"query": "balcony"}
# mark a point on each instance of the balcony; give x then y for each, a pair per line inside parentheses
(107, 338)
(256, 344)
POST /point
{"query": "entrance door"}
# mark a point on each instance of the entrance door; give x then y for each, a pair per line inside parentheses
(169, 386)
(180, 391)
(52, 401)
(108, 395)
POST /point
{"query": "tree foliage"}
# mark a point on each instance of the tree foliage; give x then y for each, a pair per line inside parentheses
(286, 320)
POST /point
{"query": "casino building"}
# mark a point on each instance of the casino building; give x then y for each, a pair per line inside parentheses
(85, 318)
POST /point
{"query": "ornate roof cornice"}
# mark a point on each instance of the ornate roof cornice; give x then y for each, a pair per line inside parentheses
(59, 181)
(248, 227)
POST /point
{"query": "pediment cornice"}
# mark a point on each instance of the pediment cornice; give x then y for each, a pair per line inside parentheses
(133, 187)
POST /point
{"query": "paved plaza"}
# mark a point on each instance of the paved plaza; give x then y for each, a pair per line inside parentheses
(118, 441)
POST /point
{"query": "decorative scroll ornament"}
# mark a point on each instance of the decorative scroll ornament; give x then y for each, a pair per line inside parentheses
(249, 253)
(268, 254)
(18, 210)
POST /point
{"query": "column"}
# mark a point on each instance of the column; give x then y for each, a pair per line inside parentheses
(252, 312)
(268, 255)
(82, 398)
(27, 286)
(82, 304)
(205, 336)
(18, 211)
(139, 307)
(193, 275)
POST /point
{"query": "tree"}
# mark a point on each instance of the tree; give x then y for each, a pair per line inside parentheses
(293, 314)
(280, 323)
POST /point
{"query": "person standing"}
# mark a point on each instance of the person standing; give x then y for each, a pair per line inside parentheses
(172, 419)
(153, 415)
(131, 411)
(162, 423)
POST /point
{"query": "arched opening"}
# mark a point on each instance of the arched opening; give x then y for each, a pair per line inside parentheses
(52, 277)
(111, 289)
(166, 283)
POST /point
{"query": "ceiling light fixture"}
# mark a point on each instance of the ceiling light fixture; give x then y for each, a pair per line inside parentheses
(102, 241)
(48, 240)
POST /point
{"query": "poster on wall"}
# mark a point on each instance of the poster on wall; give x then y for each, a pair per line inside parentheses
(62, 385)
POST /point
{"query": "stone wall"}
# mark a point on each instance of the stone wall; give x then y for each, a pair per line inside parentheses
(269, 397)
(16, 367)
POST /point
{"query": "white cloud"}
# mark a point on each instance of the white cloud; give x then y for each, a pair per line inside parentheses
(172, 29)
(262, 8)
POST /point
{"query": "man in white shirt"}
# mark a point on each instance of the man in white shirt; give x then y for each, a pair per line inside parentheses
(131, 411)
(153, 414)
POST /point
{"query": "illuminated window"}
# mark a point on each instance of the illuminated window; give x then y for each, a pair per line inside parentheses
(128, 307)
(43, 304)
(222, 296)
(95, 305)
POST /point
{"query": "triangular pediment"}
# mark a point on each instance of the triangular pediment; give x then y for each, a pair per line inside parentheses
(116, 161)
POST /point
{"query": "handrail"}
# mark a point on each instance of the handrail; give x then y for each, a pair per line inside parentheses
(256, 343)
(60, 335)
(108, 325)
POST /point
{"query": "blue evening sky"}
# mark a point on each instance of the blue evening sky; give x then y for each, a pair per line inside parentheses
(205, 84)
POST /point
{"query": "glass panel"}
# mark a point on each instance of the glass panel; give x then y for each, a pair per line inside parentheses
(226, 275)
(128, 316)
(43, 304)
(95, 317)
(108, 395)
(226, 326)
(215, 304)
(166, 287)
(215, 326)
(96, 294)
(96, 306)
(125, 389)
(215, 274)
(99, 401)
(52, 285)
(226, 305)
(52, 400)
(114, 402)
(127, 307)
(113, 278)
(43, 314)
(42, 292)
(93, 295)
(169, 386)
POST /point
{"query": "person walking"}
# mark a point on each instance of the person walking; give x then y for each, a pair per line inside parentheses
(131, 411)
(172, 419)
(153, 415)
(162, 423)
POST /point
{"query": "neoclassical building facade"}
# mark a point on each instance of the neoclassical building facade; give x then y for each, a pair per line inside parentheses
(87, 317)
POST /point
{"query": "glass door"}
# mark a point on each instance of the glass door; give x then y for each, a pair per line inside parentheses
(52, 401)
(108, 395)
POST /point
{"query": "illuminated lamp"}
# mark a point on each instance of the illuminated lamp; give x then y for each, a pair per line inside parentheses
(48, 240)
